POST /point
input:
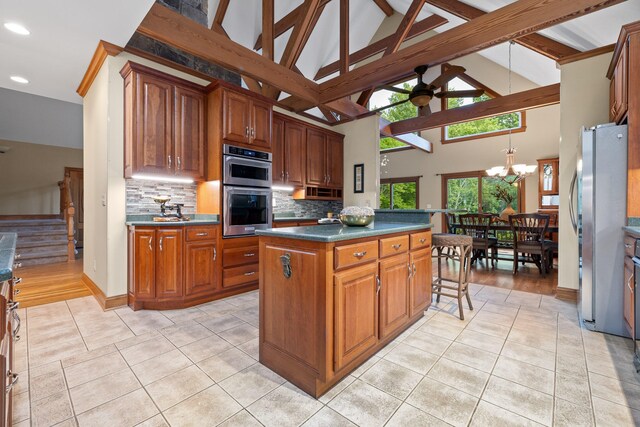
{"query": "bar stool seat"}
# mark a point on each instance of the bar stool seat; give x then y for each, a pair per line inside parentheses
(459, 250)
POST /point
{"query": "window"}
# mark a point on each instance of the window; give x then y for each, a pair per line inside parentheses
(474, 192)
(399, 193)
(407, 110)
(481, 128)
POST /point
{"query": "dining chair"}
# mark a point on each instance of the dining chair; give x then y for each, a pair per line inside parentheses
(452, 222)
(529, 232)
(477, 225)
(458, 249)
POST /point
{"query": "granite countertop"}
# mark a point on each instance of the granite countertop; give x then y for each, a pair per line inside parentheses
(633, 230)
(296, 218)
(197, 219)
(7, 255)
(335, 233)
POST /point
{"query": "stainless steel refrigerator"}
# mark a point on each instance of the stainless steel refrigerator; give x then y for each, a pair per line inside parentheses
(600, 216)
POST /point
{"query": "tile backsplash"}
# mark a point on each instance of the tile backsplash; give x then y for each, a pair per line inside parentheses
(283, 202)
(140, 196)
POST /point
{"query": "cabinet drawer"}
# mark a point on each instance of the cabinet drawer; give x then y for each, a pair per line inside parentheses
(393, 245)
(420, 240)
(358, 253)
(242, 275)
(629, 245)
(201, 233)
(239, 256)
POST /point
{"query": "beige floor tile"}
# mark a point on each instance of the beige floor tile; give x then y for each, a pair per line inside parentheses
(84, 357)
(533, 338)
(108, 336)
(225, 364)
(285, 406)
(524, 299)
(482, 341)
(50, 353)
(129, 410)
(241, 419)
(22, 385)
(365, 366)
(221, 323)
(525, 374)
(532, 325)
(155, 421)
(427, 342)
(457, 375)
(574, 389)
(91, 369)
(251, 384)
(574, 365)
(101, 390)
(199, 350)
(504, 309)
(442, 329)
(328, 417)
(493, 294)
(218, 308)
(143, 325)
(407, 415)
(412, 358)
(520, 399)
(42, 337)
(503, 318)
(488, 328)
(250, 315)
(534, 356)
(471, 356)
(487, 414)
(71, 422)
(614, 390)
(51, 410)
(184, 315)
(160, 366)
(25, 423)
(240, 334)
(177, 387)
(45, 385)
(21, 407)
(567, 414)
(336, 389)
(443, 402)
(392, 379)
(186, 333)
(611, 414)
(138, 339)
(252, 348)
(365, 405)
(212, 404)
(147, 350)
(613, 367)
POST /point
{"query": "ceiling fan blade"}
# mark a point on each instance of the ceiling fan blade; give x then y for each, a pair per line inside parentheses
(395, 89)
(424, 111)
(389, 106)
(449, 74)
(473, 93)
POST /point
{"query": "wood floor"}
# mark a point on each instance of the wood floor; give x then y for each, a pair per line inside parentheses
(528, 278)
(43, 284)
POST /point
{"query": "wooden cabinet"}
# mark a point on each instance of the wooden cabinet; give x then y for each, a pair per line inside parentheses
(420, 283)
(335, 161)
(304, 223)
(394, 293)
(548, 183)
(324, 159)
(289, 139)
(240, 262)
(10, 327)
(164, 124)
(173, 266)
(629, 295)
(245, 121)
(618, 92)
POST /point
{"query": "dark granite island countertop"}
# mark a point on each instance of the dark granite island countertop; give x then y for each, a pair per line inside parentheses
(147, 220)
(7, 255)
(336, 233)
(632, 230)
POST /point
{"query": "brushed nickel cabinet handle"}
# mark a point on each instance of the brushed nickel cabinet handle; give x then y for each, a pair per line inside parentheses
(396, 246)
(287, 175)
(246, 131)
(202, 234)
(17, 256)
(414, 269)
(423, 240)
(328, 179)
(16, 280)
(249, 254)
(160, 243)
(169, 159)
(410, 271)
(16, 291)
(378, 284)
(18, 324)
(251, 273)
(215, 253)
(150, 241)
(14, 379)
(359, 254)
(178, 163)
(17, 264)
(253, 133)
(12, 305)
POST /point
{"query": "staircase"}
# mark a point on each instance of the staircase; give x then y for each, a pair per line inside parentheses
(40, 241)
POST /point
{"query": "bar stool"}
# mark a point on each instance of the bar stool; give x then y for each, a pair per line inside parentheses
(458, 249)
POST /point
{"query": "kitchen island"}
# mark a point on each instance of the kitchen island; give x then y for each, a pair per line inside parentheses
(332, 296)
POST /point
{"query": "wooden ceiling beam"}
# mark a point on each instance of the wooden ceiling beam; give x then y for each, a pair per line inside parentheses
(221, 11)
(385, 7)
(536, 42)
(344, 36)
(394, 44)
(511, 21)
(300, 33)
(529, 99)
(267, 28)
(326, 112)
(418, 28)
(170, 27)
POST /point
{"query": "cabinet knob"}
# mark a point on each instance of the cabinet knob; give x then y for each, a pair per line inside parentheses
(359, 254)
(396, 246)
(249, 254)
(251, 273)
(202, 234)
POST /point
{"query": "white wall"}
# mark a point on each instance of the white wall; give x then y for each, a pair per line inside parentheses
(584, 101)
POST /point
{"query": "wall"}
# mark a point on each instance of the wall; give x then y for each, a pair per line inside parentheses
(540, 140)
(24, 192)
(584, 101)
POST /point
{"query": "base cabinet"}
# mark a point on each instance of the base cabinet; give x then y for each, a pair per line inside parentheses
(394, 294)
(169, 260)
(420, 282)
(628, 295)
(200, 273)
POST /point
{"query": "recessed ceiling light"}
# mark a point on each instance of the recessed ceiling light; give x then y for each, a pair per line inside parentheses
(17, 28)
(19, 79)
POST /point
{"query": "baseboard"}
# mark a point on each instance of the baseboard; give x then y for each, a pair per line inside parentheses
(567, 294)
(105, 302)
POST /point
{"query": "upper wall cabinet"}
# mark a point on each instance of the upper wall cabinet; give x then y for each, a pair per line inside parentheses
(164, 121)
(548, 183)
(246, 121)
(618, 93)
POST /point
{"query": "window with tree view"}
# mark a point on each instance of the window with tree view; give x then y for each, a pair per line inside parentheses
(399, 193)
(399, 112)
(472, 193)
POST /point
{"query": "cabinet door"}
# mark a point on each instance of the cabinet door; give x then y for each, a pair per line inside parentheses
(260, 130)
(278, 163)
(620, 82)
(420, 284)
(200, 270)
(189, 133)
(629, 295)
(294, 153)
(612, 99)
(394, 294)
(356, 313)
(335, 165)
(152, 150)
(235, 117)
(169, 263)
(316, 157)
(144, 266)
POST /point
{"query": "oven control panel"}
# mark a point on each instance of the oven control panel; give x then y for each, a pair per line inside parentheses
(243, 152)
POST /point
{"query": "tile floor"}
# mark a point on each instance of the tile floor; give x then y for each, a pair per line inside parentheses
(517, 359)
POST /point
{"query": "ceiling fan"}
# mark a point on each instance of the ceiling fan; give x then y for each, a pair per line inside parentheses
(423, 93)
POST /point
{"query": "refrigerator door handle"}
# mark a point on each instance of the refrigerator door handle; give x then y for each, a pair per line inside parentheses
(572, 212)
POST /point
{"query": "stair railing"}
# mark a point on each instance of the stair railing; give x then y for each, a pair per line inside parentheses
(67, 210)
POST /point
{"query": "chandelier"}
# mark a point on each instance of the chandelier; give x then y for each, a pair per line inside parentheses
(511, 173)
